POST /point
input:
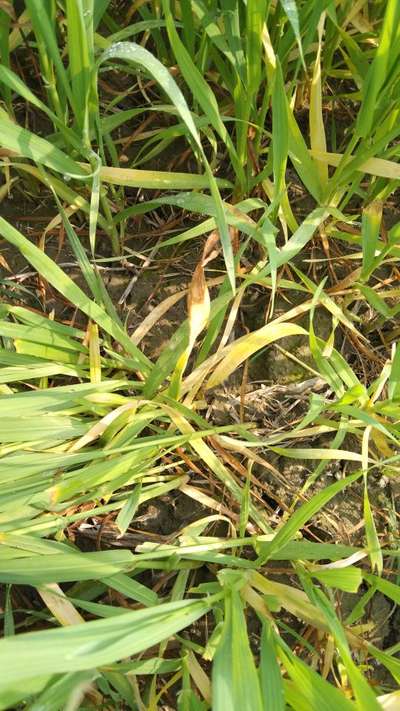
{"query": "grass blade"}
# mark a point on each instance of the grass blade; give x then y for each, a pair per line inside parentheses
(50, 271)
(235, 683)
(96, 643)
(131, 52)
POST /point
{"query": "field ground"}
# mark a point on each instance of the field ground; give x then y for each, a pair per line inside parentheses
(199, 360)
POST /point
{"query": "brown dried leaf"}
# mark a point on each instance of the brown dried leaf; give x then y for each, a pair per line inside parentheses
(4, 263)
(7, 7)
(210, 250)
(198, 300)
